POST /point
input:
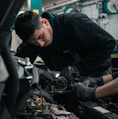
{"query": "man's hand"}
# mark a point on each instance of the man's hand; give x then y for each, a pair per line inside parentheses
(81, 92)
(76, 93)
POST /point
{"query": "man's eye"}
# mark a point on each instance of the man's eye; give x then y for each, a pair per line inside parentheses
(41, 36)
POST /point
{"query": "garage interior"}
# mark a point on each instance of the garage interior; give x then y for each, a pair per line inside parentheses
(26, 89)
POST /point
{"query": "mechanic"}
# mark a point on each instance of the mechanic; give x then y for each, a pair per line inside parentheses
(66, 39)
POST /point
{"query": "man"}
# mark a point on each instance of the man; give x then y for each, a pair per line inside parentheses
(67, 39)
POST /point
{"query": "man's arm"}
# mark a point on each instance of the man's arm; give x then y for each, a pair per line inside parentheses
(25, 50)
(107, 89)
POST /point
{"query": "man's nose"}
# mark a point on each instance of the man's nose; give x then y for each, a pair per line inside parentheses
(41, 43)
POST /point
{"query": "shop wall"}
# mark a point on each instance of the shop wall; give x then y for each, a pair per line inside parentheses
(106, 21)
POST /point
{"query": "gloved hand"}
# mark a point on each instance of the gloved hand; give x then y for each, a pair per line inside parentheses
(76, 93)
(81, 92)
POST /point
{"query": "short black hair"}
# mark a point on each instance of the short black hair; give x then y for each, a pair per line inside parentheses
(26, 23)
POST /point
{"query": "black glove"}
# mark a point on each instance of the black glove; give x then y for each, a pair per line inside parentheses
(81, 92)
(76, 93)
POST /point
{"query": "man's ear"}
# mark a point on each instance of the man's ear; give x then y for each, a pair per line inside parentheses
(45, 21)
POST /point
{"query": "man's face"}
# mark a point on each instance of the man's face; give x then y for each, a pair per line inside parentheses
(43, 36)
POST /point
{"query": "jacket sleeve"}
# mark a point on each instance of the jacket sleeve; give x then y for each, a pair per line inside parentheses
(27, 50)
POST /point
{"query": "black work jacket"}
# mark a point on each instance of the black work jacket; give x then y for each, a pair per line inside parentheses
(76, 41)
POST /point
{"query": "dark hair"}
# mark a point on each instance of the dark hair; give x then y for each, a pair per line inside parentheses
(26, 23)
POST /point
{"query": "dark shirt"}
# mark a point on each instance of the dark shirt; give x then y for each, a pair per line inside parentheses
(77, 40)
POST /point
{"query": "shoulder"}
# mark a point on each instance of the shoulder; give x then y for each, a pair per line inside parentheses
(74, 17)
